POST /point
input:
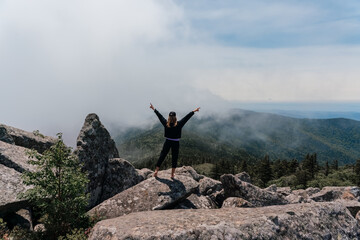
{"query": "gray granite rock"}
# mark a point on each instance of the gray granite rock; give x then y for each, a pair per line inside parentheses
(285, 191)
(271, 188)
(244, 176)
(151, 194)
(10, 186)
(22, 218)
(120, 175)
(145, 173)
(196, 201)
(328, 194)
(295, 221)
(208, 186)
(185, 171)
(95, 148)
(31, 140)
(311, 191)
(234, 187)
(218, 198)
(233, 202)
(15, 157)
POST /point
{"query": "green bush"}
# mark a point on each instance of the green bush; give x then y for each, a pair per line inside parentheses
(58, 189)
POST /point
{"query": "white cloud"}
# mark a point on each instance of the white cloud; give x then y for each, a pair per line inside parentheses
(60, 60)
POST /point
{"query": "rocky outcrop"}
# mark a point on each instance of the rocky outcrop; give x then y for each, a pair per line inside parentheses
(15, 157)
(10, 187)
(258, 197)
(244, 176)
(151, 194)
(328, 194)
(108, 175)
(295, 221)
(145, 173)
(34, 140)
(207, 186)
(119, 175)
(196, 201)
(232, 202)
(22, 218)
(185, 171)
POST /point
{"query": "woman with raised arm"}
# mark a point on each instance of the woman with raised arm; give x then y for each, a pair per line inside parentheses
(172, 135)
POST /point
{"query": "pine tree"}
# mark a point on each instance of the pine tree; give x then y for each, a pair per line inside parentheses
(264, 171)
(243, 166)
(357, 172)
(335, 165)
(58, 189)
(327, 169)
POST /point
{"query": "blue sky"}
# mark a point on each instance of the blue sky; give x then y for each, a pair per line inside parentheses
(60, 60)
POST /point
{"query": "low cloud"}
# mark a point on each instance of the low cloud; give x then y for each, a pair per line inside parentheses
(60, 60)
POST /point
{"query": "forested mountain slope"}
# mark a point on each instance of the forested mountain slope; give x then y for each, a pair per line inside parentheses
(249, 135)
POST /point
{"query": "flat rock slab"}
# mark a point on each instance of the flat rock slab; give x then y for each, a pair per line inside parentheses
(294, 221)
(10, 186)
(151, 194)
(15, 157)
(25, 139)
(234, 187)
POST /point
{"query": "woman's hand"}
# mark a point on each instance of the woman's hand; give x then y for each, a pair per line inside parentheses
(197, 109)
(152, 107)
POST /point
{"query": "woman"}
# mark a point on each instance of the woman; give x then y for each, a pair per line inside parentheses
(172, 135)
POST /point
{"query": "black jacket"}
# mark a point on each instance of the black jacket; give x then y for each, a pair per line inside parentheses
(173, 132)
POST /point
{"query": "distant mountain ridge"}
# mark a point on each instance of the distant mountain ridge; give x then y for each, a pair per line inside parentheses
(249, 135)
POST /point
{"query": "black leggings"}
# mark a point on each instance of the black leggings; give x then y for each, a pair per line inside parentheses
(174, 145)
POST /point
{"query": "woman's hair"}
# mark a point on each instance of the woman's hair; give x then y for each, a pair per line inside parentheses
(172, 121)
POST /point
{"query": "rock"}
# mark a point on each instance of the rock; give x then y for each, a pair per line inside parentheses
(185, 171)
(95, 148)
(22, 218)
(244, 176)
(208, 186)
(151, 194)
(196, 201)
(285, 191)
(120, 175)
(233, 202)
(15, 157)
(311, 191)
(271, 188)
(234, 187)
(10, 187)
(328, 194)
(295, 221)
(295, 198)
(145, 173)
(39, 228)
(218, 198)
(19, 137)
(357, 217)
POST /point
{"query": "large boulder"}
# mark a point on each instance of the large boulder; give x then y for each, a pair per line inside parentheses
(208, 186)
(11, 186)
(31, 140)
(328, 194)
(15, 157)
(296, 221)
(234, 187)
(152, 194)
(108, 175)
(244, 176)
(145, 173)
(196, 201)
(232, 202)
(185, 171)
(120, 175)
